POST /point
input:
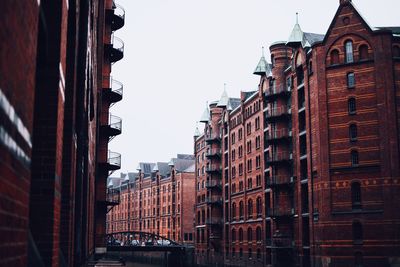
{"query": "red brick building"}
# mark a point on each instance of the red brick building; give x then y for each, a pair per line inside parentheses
(54, 129)
(157, 199)
(330, 154)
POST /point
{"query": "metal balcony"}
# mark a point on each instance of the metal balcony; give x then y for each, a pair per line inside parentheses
(280, 180)
(213, 153)
(277, 113)
(116, 17)
(282, 243)
(282, 212)
(214, 200)
(213, 138)
(112, 197)
(214, 221)
(113, 89)
(279, 158)
(113, 128)
(214, 184)
(213, 169)
(273, 93)
(114, 50)
(277, 135)
(113, 161)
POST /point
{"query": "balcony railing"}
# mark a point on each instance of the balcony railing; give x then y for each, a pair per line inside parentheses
(114, 126)
(114, 160)
(279, 157)
(213, 169)
(276, 112)
(213, 138)
(113, 89)
(112, 196)
(279, 180)
(278, 134)
(214, 220)
(214, 200)
(115, 49)
(213, 153)
(118, 18)
(214, 184)
(276, 91)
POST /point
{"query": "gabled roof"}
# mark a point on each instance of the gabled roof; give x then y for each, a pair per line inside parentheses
(182, 164)
(162, 168)
(223, 101)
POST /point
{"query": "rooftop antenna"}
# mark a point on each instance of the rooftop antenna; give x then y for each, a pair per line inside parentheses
(297, 17)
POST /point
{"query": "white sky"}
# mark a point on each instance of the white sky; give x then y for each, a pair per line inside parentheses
(179, 53)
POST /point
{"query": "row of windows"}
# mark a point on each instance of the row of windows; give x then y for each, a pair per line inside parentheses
(249, 234)
(249, 209)
(349, 53)
(249, 184)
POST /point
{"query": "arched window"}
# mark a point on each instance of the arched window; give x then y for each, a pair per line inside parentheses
(258, 234)
(396, 51)
(357, 232)
(356, 195)
(353, 132)
(233, 211)
(351, 81)
(363, 52)
(241, 210)
(349, 51)
(351, 104)
(250, 253)
(250, 208)
(249, 234)
(233, 236)
(259, 207)
(241, 253)
(240, 235)
(334, 57)
(354, 158)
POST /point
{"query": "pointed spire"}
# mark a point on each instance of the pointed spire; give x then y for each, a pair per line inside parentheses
(206, 115)
(262, 66)
(296, 37)
(155, 168)
(224, 98)
(229, 106)
(196, 132)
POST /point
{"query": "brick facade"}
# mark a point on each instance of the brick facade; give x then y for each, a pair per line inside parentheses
(329, 154)
(52, 101)
(158, 200)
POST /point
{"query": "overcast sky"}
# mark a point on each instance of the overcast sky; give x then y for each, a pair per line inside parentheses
(179, 54)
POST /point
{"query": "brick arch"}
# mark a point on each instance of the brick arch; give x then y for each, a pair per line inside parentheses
(339, 44)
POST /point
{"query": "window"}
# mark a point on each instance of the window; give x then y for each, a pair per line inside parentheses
(240, 169)
(233, 240)
(258, 162)
(240, 151)
(258, 234)
(250, 183)
(249, 147)
(310, 68)
(354, 158)
(240, 235)
(250, 254)
(356, 195)
(233, 138)
(357, 232)
(233, 188)
(353, 132)
(257, 123)
(334, 57)
(258, 180)
(233, 172)
(240, 186)
(273, 61)
(363, 52)
(250, 209)
(258, 254)
(241, 210)
(234, 212)
(351, 104)
(241, 253)
(258, 142)
(240, 133)
(233, 154)
(289, 83)
(248, 128)
(259, 207)
(350, 80)
(349, 51)
(249, 234)
(249, 165)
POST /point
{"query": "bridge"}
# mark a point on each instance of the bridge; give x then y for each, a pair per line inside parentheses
(141, 241)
